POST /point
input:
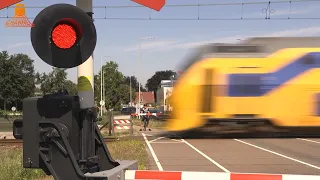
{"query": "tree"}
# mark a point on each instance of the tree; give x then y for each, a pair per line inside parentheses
(154, 82)
(55, 80)
(134, 84)
(17, 78)
(97, 89)
(142, 89)
(71, 87)
(117, 91)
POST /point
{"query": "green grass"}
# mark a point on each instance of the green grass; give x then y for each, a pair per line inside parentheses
(11, 167)
(6, 124)
(11, 160)
(130, 150)
(5, 127)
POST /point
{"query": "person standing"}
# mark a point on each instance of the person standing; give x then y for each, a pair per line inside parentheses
(145, 117)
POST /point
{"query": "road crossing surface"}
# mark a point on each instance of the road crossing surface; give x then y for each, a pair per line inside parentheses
(276, 156)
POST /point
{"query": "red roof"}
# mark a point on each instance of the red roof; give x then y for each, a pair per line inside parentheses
(146, 97)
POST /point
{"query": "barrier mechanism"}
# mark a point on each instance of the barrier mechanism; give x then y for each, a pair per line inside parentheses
(122, 123)
(189, 175)
(143, 114)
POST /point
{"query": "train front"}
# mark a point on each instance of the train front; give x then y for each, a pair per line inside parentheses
(254, 84)
(200, 96)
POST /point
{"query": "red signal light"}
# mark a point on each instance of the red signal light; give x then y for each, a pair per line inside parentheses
(64, 36)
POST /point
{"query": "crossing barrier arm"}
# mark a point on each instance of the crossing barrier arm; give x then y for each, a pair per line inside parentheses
(191, 175)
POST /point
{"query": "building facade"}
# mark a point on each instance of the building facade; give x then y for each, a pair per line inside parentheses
(145, 98)
(163, 93)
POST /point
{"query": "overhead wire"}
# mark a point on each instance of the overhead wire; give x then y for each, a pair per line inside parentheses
(267, 11)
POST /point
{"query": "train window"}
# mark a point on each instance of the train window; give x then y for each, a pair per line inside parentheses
(245, 85)
(199, 53)
(308, 60)
(237, 49)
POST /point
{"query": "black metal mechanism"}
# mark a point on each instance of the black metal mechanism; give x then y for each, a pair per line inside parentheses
(58, 136)
(52, 140)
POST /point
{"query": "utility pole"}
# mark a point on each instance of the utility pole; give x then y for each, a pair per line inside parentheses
(102, 91)
(130, 92)
(139, 105)
(101, 77)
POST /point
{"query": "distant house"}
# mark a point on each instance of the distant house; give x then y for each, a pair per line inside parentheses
(164, 91)
(145, 97)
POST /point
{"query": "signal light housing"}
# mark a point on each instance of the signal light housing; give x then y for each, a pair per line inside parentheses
(64, 36)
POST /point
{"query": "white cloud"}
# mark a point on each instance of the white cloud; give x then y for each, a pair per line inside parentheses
(151, 44)
(168, 45)
(310, 31)
(229, 39)
(17, 45)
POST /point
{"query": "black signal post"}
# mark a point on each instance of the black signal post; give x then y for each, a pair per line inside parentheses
(59, 131)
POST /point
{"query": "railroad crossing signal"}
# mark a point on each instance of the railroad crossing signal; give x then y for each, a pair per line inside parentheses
(64, 36)
(59, 136)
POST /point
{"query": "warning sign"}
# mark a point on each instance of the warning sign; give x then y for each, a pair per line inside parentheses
(19, 19)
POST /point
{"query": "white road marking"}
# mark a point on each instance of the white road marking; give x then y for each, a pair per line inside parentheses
(152, 153)
(152, 141)
(309, 140)
(148, 135)
(156, 139)
(204, 155)
(177, 140)
(287, 157)
(166, 142)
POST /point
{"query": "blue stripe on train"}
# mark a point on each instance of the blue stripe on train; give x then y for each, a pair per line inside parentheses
(246, 85)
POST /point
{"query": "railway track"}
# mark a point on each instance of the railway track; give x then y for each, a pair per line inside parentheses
(18, 142)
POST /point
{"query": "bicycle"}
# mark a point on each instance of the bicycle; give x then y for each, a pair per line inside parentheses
(146, 119)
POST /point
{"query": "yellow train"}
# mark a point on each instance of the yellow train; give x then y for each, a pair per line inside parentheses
(261, 82)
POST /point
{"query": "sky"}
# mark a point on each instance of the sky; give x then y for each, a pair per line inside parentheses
(118, 40)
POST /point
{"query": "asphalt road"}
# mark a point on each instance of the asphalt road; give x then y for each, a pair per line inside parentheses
(276, 156)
